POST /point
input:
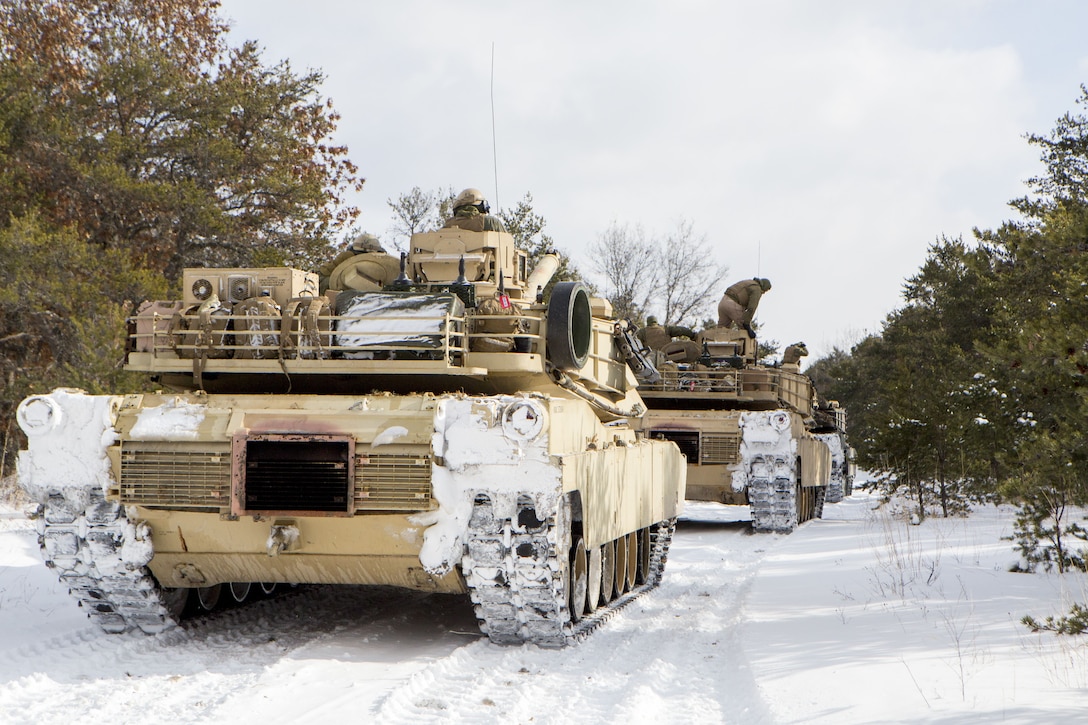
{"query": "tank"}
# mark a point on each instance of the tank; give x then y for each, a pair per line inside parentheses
(750, 432)
(830, 427)
(437, 427)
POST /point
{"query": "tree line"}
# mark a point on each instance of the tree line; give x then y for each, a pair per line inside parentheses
(136, 141)
(977, 387)
(673, 276)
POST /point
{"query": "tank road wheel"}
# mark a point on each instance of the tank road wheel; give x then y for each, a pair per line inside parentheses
(642, 571)
(608, 571)
(208, 597)
(593, 579)
(175, 601)
(632, 559)
(239, 591)
(621, 566)
(578, 580)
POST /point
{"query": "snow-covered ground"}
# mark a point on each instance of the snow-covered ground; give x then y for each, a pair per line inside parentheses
(856, 618)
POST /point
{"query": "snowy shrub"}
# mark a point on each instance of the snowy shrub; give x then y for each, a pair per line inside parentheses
(1076, 622)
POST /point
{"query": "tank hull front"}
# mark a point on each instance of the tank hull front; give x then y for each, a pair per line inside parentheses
(204, 489)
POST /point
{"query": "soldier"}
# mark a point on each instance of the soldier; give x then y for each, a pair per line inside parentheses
(364, 244)
(791, 358)
(656, 336)
(470, 211)
(738, 304)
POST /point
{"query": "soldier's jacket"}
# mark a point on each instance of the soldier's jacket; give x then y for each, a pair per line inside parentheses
(470, 218)
(746, 293)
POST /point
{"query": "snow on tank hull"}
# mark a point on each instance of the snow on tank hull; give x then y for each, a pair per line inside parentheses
(532, 492)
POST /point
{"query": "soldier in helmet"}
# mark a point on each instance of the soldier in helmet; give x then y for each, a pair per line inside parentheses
(656, 336)
(470, 211)
(791, 358)
(364, 244)
(738, 304)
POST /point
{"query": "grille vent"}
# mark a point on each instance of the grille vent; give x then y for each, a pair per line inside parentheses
(707, 449)
(390, 482)
(688, 441)
(291, 475)
(720, 448)
(176, 476)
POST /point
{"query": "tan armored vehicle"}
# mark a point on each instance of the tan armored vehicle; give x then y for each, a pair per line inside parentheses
(443, 431)
(830, 427)
(748, 431)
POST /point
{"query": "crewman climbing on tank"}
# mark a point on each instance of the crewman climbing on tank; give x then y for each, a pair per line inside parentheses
(738, 304)
(656, 336)
(471, 211)
(364, 244)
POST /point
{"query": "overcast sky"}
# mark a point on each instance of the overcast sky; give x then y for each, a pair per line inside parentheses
(824, 145)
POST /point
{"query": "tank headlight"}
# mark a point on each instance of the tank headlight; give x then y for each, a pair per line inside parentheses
(780, 420)
(38, 414)
(523, 420)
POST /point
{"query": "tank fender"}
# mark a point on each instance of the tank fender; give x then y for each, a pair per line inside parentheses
(68, 433)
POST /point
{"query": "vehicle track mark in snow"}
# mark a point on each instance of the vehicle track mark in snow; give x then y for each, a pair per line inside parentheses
(677, 640)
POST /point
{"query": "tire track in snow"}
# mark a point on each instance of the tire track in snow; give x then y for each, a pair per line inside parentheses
(673, 655)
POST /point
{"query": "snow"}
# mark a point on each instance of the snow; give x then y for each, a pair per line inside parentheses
(768, 438)
(482, 443)
(856, 618)
(68, 433)
(175, 419)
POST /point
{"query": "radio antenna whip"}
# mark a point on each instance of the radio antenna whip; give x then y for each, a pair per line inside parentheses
(494, 146)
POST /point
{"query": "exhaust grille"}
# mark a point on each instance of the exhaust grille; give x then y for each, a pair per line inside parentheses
(720, 448)
(392, 482)
(688, 441)
(297, 474)
(175, 476)
(704, 449)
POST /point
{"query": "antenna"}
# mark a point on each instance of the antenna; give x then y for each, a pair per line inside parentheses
(494, 146)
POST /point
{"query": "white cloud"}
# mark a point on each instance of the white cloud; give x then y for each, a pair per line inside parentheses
(818, 143)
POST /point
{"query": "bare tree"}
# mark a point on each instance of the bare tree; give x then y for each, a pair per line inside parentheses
(414, 212)
(689, 276)
(629, 263)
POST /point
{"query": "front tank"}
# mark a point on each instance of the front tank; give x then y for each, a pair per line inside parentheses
(443, 431)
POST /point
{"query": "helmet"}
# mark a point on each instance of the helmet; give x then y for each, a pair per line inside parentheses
(764, 284)
(651, 320)
(471, 197)
(366, 243)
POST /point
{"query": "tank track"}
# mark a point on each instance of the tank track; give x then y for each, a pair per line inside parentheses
(774, 504)
(84, 542)
(835, 488)
(517, 577)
